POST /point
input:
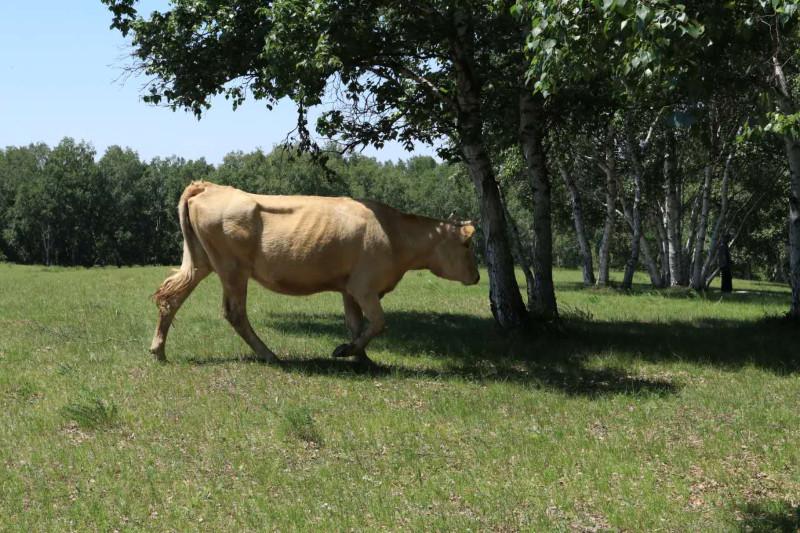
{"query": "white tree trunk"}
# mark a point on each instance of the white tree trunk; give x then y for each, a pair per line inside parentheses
(672, 214)
(635, 216)
(531, 140)
(652, 268)
(793, 155)
(505, 299)
(697, 279)
(610, 169)
(663, 247)
(688, 249)
(519, 252)
(580, 230)
(720, 226)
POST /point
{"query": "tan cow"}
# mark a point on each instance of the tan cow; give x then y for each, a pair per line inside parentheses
(303, 245)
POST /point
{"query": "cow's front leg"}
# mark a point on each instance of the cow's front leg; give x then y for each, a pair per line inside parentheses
(354, 319)
(371, 306)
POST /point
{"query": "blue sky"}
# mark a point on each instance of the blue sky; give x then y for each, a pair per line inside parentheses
(60, 69)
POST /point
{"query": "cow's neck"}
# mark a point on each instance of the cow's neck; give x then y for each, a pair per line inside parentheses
(422, 236)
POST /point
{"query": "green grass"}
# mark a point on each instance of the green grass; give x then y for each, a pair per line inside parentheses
(645, 411)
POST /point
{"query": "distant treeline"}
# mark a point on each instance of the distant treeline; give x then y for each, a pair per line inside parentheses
(64, 206)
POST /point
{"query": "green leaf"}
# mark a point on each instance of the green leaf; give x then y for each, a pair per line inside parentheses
(695, 30)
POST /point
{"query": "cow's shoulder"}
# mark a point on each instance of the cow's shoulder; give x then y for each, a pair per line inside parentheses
(387, 215)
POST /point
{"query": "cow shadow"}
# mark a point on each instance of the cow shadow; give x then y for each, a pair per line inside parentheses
(571, 379)
(568, 377)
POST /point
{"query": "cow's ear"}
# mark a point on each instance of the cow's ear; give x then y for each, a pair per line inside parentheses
(467, 231)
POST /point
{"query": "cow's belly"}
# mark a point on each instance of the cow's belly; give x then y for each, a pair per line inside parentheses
(299, 285)
(297, 272)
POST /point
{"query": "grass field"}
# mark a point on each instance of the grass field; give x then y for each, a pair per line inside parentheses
(645, 411)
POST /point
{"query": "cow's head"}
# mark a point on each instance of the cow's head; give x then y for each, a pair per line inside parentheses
(452, 257)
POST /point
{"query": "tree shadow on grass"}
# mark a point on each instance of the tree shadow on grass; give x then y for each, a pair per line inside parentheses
(570, 379)
(770, 344)
(773, 516)
(780, 295)
(472, 348)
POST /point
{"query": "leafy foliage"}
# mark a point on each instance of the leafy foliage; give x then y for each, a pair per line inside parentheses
(576, 41)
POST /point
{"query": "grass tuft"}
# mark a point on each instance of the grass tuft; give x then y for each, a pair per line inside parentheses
(570, 312)
(91, 413)
(64, 368)
(25, 391)
(298, 423)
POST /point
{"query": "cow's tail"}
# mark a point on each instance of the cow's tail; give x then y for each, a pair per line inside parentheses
(194, 256)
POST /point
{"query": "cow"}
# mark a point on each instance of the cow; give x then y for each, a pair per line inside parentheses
(301, 245)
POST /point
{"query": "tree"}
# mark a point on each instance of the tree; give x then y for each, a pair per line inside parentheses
(21, 177)
(609, 166)
(163, 183)
(608, 54)
(404, 72)
(578, 220)
(781, 17)
(60, 206)
(757, 43)
(18, 165)
(122, 173)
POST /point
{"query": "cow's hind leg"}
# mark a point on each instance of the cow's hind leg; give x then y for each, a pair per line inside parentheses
(370, 304)
(169, 298)
(234, 306)
(354, 319)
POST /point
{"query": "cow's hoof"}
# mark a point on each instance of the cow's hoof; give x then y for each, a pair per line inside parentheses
(158, 352)
(363, 361)
(269, 359)
(343, 350)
